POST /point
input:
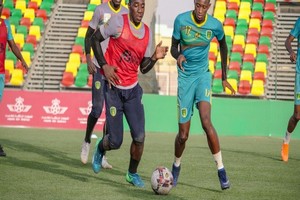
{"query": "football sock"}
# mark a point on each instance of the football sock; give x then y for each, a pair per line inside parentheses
(133, 165)
(287, 137)
(91, 122)
(218, 160)
(177, 161)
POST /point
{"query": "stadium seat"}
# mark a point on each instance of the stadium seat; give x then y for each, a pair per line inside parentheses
(262, 2)
(235, 66)
(81, 79)
(257, 88)
(77, 49)
(264, 49)
(25, 22)
(38, 21)
(263, 40)
(257, 6)
(259, 76)
(220, 16)
(237, 48)
(17, 78)
(88, 15)
(11, 56)
(33, 5)
(75, 58)
(95, 2)
(248, 66)
(244, 87)
(239, 39)
(265, 31)
(262, 58)
(19, 39)
(229, 31)
(253, 32)
(38, 2)
(46, 6)
(218, 74)
(232, 6)
(235, 1)
(232, 74)
(85, 23)
(256, 15)
(9, 65)
(252, 39)
(6, 12)
(17, 13)
(267, 23)
(255, 23)
(67, 79)
(211, 66)
(244, 15)
(72, 67)
(218, 65)
(233, 83)
(14, 20)
(270, 7)
(81, 32)
(217, 86)
(269, 15)
(90, 80)
(80, 41)
(248, 58)
(261, 67)
(42, 14)
(29, 13)
(242, 24)
(241, 30)
(30, 48)
(231, 14)
(35, 30)
(27, 57)
(8, 4)
(91, 7)
(245, 7)
(246, 75)
(22, 30)
(21, 5)
(31, 39)
(214, 48)
(236, 57)
(250, 49)
(271, 1)
(229, 22)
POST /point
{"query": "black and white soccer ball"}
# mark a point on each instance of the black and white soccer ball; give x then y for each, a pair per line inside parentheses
(162, 180)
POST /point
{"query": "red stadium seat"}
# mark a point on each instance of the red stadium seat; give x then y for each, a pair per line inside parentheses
(263, 49)
(259, 1)
(244, 87)
(249, 58)
(259, 76)
(233, 6)
(85, 23)
(7, 76)
(238, 48)
(90, 80)
(252, 39)
(256, 15)
(25, 22)
(266, 32)
(218, 74)
(77, 49)
(6, 12)
(33, 5)
(270, 7)
(42, 14)
(267, 23)
(235, 66)
(253, 32)
(31, 39)
(211, 56)
(229, 22)
(68, 79)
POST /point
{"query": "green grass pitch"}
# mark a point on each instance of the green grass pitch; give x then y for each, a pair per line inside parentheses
(45, 164)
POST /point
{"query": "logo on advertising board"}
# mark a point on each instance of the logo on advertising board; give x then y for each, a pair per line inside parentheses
(85, 111)
(19, 109)
(54, 110)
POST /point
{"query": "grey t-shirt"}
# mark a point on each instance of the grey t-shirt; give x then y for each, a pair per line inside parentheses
(101, 15)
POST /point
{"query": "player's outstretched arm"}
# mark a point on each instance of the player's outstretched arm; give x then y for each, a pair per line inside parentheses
(148, 63)
(175, 52)
(17, 53)
(288, 46)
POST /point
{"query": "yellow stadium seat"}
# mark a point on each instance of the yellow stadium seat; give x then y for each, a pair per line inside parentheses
(235, 1)
(251, 49)
(220, 16)
(246, 76)
(239, 39)
(26, 56)
(38, 2)
(29, 13)
(21, 4)
(229, 31)
(214, 48)
(13, 29)
(17, 78)
(74, 57)
(36, 31)
(72, 67)
(81, 32)
(95, 2)
(88, 15)
(261, 67)
(255, 23)
(9, 65)
(220, 7)
(233, 83)
(211, 66)
(257, 88)
(245, 7)
(244, 15)
(19, 39)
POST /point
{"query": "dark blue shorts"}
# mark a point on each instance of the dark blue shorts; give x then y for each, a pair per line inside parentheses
(126, 102)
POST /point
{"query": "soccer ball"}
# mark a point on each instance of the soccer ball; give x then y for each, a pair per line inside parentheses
(162, 180)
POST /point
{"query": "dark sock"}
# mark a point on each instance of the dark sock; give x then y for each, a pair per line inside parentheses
(133, 165)
(101, 148)
(91, 122)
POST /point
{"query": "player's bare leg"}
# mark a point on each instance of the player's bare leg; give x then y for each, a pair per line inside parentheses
(213, 142)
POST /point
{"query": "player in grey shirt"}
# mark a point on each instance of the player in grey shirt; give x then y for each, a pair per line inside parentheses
(102, 14)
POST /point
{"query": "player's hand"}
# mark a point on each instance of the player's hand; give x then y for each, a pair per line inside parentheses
(25, 66)
(180, 60)
(110, 74)
(90, 64)
(227, 85)
(160, 51)
(293, 57)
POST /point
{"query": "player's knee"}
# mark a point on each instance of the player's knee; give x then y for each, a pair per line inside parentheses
(115, 144)
(139, 140)
(182, 138)
(297, 117)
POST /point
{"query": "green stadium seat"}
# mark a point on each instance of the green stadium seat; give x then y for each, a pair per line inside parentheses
(30, 48)
(91, 7)
(23, 30)
(236, 57)
(258, 7)
(80, 41)
(263, 40)
(83, 69)
(217, 86)
(17, 13)
(248, 66)
(15, 20)
(11, 56)
(39, 22)
(232, 74)
(81, 79)
(231, 14)
(9, 4)
(269, 15)
(271, 1)
(46, 6)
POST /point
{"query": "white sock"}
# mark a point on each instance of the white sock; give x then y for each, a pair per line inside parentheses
(287, 137)
(177, 161)
(218, 160)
